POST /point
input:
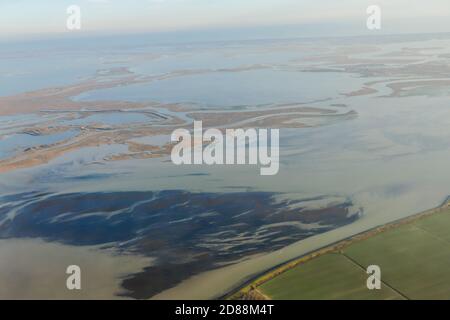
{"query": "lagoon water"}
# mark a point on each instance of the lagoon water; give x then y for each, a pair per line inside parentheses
(13, 143)
(227, 89)
(388, 162)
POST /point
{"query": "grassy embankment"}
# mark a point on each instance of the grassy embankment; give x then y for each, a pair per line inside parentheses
(413, 254)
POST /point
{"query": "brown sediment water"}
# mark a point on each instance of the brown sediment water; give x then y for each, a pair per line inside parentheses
(36, 269)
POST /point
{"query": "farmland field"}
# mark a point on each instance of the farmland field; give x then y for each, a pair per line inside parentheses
(414, 258)
(331, 276)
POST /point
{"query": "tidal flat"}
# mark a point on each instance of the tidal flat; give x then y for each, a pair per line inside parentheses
(364, 131)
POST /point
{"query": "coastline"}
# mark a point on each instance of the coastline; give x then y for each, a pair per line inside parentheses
(245, 291)
(223, 282)
(388, 160)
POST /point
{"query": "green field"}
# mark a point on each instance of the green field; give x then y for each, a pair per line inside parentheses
(414, 259)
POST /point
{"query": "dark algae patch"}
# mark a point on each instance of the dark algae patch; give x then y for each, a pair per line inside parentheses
(186, 233)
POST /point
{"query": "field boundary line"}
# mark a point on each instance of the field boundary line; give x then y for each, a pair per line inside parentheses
(382, 281)
(431, 234)
(335, 247)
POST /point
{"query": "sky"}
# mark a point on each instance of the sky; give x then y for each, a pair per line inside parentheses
(301, 18)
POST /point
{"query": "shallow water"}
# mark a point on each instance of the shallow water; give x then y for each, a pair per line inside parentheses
(14, 143)
(387, 162)
(225, 89)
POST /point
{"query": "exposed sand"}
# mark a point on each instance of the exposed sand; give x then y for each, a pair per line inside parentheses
(59, 98)
(361, 92)
(283, 116)
(402, 88)
(213, 283)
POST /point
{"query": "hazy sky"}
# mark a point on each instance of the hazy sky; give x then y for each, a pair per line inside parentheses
(306, 17)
